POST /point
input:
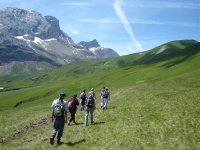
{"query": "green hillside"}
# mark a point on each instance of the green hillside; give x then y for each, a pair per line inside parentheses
(171, 49)
(160, 53)
(153, 105)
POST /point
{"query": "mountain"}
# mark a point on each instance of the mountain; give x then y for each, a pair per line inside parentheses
(27, 36)
(166, 51)
(97, 50)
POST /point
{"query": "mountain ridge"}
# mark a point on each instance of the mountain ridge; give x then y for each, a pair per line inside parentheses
(29, 32)
(98, 50)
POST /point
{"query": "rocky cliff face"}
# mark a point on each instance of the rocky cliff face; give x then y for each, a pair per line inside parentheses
(26, 35)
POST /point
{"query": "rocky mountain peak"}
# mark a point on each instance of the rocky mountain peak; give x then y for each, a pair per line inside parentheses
(27, 35)
(98, 51)
(19, 22)
(90, 44)
(53, 21)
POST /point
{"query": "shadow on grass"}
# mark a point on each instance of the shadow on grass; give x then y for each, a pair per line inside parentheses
(72, 143)
(112, 107)
(187, 53)
(176, 62)
(79, 123)
(97, 123)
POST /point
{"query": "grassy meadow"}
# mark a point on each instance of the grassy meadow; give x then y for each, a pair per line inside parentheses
(152, 106)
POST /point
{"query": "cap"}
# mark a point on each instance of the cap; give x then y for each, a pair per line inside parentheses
(62, 94)
(92, 89)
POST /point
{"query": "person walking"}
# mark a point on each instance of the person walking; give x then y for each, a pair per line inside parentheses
(83, 97)
(108, 95)
(92, 93)
(102, 99)
(105, 96)
(90, 107)
(59, 117)
(72, 106)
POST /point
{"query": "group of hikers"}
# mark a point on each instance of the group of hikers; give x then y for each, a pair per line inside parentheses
(61, 107)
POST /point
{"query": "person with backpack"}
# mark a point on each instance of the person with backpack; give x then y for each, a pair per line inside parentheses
(72, 106)
(92, 93)
(83, 97)
(108, 94)
(59, 117)
(90, 107)
(102, 99)
(105, 96)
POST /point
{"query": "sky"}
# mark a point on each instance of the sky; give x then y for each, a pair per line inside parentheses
(127, 26)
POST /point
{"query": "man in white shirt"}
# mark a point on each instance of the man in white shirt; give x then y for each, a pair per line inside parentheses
(59, 114)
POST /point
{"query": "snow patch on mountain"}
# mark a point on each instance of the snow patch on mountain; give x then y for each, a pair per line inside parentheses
(162, 49)
(92, 49)
(39, 41)
(52, 39)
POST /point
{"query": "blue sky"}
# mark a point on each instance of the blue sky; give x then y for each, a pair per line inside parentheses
(127, 26)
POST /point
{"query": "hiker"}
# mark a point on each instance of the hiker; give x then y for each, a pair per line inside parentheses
(59, 117)
(72, 106)
(90, 107)
(102, 99)
(108, 94)
(83, 97)
(105, 94)
(92, 93)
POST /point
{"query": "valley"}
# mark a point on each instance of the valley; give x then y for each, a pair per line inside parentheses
(154, 102)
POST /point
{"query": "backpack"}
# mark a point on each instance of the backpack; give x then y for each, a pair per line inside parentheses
(83, 96)
(57, 110)
(104, 94)
(71, 103)
(90, 102)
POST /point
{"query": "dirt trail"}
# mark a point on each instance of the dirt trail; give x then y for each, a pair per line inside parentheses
(32, 125)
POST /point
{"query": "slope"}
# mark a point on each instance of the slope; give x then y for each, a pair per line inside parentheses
(161, 53)
(135, 118)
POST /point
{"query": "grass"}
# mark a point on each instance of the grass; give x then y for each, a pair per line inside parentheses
(153, 106)
(155, 115)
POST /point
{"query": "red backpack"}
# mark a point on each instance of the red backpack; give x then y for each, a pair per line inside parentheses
(71, 103)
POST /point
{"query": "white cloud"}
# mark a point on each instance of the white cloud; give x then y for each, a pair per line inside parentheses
(164, 4)
(140, 21)
(167, 23)
(76, 32)
(126, 24)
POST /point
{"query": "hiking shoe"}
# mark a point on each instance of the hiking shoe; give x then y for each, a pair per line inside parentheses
(52, 141)
(60, 143)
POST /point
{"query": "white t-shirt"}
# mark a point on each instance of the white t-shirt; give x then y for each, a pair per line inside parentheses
(57, 101)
